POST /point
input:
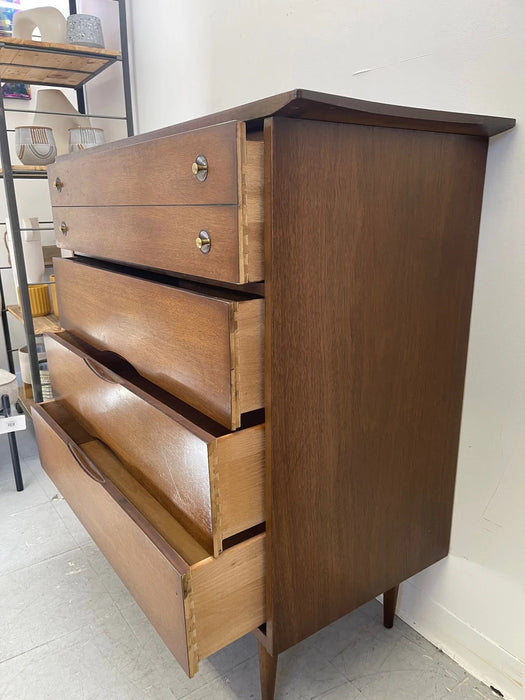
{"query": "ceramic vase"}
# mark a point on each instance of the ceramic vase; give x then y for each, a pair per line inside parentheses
(35, 145)
(81, 138)
(50, 22)
(32, 246)
(54, 109)
(84, 30)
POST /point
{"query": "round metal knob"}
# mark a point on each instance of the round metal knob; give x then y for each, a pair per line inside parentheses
(64, 228)
(58, 184)
(203, 242)
(200, 168)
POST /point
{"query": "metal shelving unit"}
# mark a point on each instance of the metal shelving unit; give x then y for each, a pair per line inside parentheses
(53, 65)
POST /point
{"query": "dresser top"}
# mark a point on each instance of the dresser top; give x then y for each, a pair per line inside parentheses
(307, 104)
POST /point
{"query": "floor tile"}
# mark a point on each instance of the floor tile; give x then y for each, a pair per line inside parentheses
(48, 600)
(14, 501)
(31, 535)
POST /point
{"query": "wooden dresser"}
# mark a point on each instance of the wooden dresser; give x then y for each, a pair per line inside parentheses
(260, 378)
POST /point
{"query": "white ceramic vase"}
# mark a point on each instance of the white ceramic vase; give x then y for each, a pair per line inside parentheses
(35, 145)
(81, 138)
(55, 110)
(50, 22)
(32, 246)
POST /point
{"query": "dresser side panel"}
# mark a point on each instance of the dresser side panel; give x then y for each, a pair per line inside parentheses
(371, 237)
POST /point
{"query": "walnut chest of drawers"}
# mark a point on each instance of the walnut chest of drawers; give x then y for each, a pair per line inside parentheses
(258, 387)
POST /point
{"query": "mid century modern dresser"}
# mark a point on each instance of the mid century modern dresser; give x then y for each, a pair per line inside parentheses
(259, 382)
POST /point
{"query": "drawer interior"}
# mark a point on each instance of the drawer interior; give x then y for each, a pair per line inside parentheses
(198, 604)
(209, 479)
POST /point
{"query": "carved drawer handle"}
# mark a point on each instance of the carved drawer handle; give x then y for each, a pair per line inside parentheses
(58, 184)
(99, 370)
(85, 463)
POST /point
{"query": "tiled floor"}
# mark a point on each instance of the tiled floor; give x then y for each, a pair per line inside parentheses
(69, 629)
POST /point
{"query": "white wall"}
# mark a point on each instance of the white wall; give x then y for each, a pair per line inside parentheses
(469, 55)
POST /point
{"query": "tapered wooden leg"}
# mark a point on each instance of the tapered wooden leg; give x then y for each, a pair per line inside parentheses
(389, 606)
(267, 672)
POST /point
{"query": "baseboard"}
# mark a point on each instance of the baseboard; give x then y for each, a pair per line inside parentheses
(478, 655)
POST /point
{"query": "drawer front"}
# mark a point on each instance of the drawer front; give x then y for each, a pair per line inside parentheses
(210, 480)
(156, 172)
(165, 238)
(206, 350)
(154, 581)
(197, 604)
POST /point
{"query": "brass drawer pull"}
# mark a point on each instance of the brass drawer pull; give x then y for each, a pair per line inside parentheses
(64, 228)
(200, 168)
(99, 371)
(58, 184)
(203, 242)
(85, 463)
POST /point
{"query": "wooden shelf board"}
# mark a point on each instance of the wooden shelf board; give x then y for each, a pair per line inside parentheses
(42, 324)
(28, 172)
(44, 63)
(25, 401)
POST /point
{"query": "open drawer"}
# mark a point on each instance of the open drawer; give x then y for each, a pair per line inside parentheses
(210, 480)
(197, 604)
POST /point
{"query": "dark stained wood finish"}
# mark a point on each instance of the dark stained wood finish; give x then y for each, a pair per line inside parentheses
(154, 173)
(197, 604)
(308, 104)
(164, 238)
(194, 345)
(267, 672)
(371, 248)
(389, 606)
(210, 480)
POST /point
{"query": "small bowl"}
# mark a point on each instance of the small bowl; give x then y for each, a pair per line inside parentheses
(35, 145)
(82, 137)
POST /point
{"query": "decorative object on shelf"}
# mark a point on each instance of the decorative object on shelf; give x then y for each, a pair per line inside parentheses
(81, 137)
(32, 246)
(54, 109)
(9, 385)
(23, 361)
(6, 20)
(53, 294)
(39, 299)
(35, 145)
(17, 91)
(85, 30)
(50, 21)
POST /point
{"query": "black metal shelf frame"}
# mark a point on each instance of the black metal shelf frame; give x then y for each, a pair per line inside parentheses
(11, 201)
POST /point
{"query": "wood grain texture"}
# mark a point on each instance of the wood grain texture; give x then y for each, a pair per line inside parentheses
(163, 237)
(228, 595)
(309, 104)
(197, 604)
(178, 339)
(154, 173)
(371, 236)
(39, 62)
(152, 579)
(267, 672)
(239, 459)
(169, 455)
